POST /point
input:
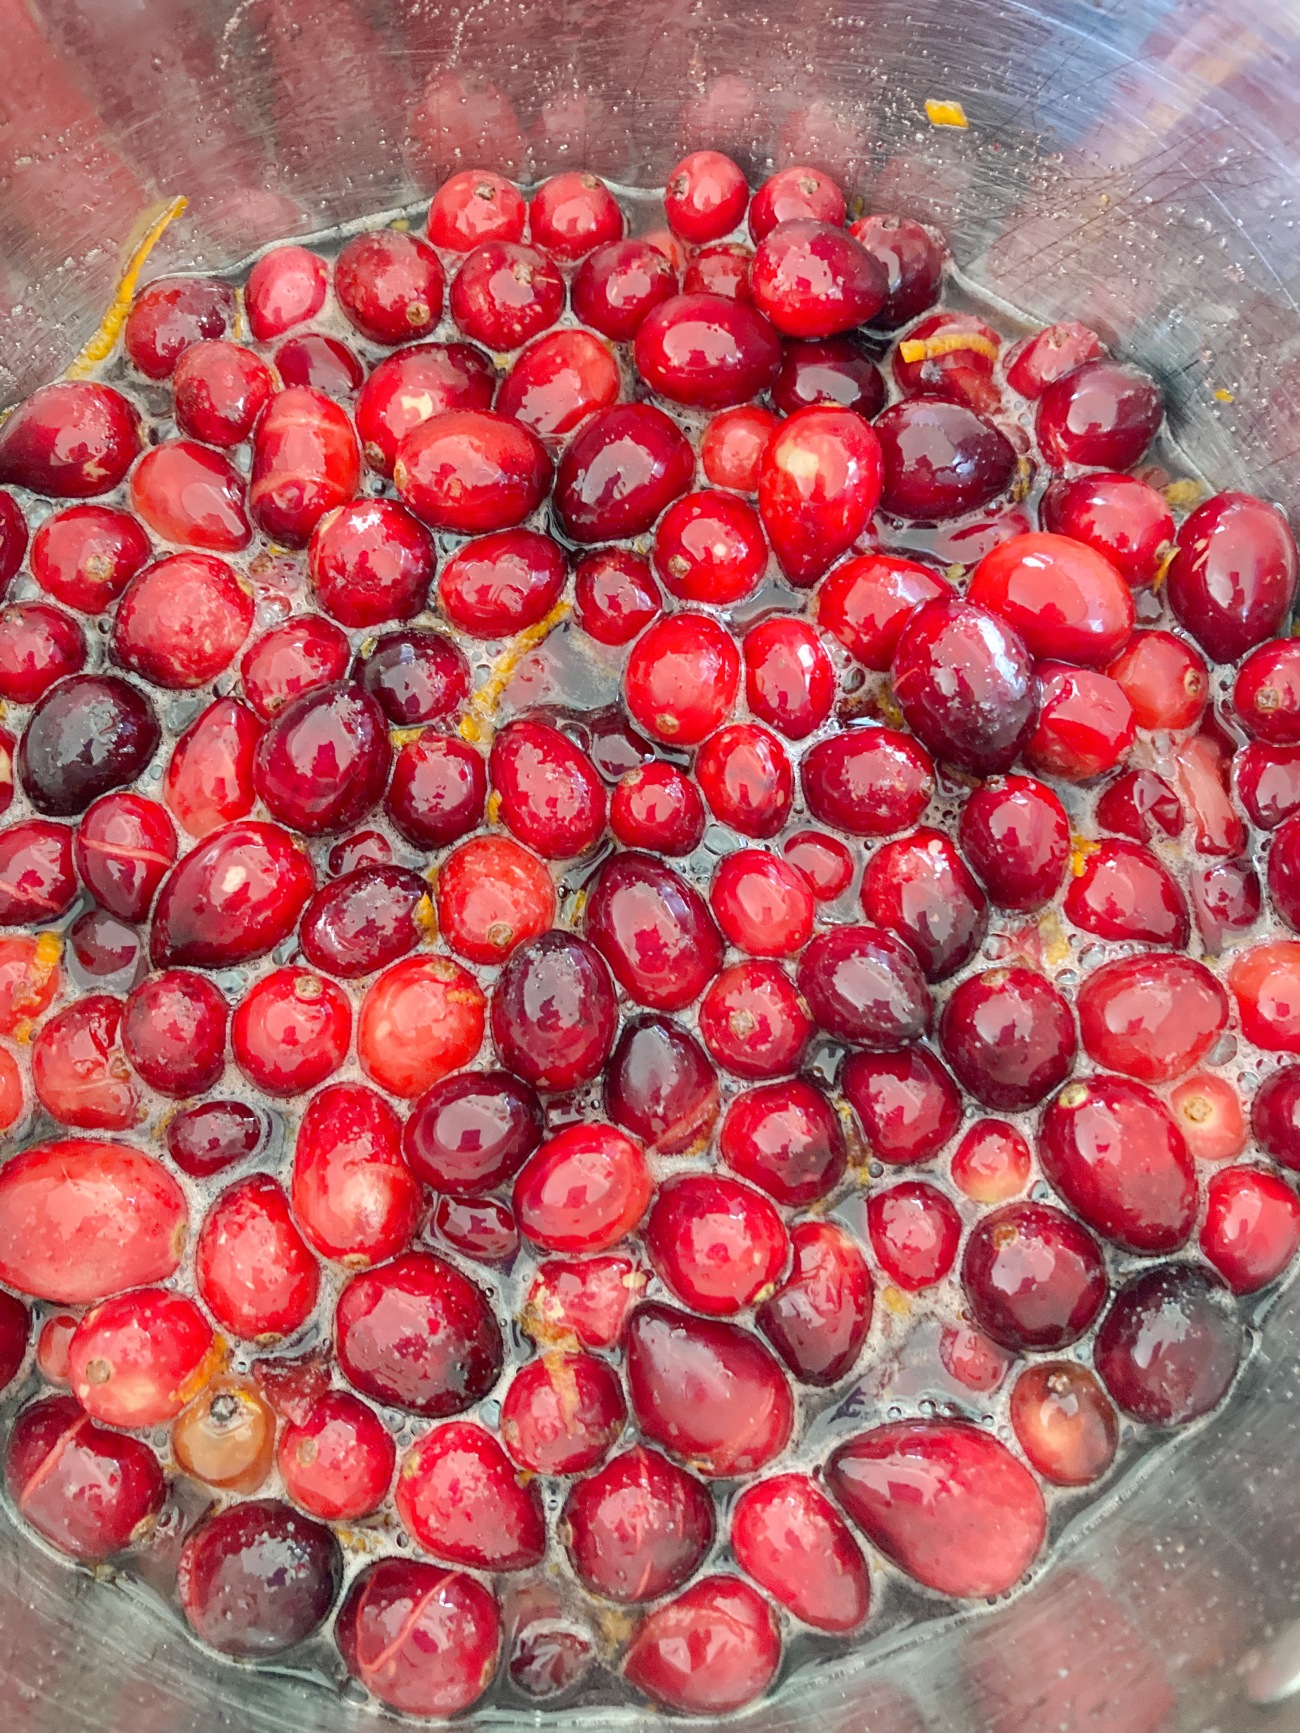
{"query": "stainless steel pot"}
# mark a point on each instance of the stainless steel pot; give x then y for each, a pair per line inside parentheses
(1129, 162)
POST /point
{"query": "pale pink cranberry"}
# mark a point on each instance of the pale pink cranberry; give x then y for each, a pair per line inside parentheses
(1009, 1037)
(1125, 892)
(1118, 516)
(560, 381)
(615, 596)
(920, 888)
(915, 1231)
(87, 1491)
(819, 483)
(255, 1272)
(864, 985)
(37, 881)
(371, 561)
(832, 371)
(219, 391)
(868, 781)
(286, 287)
(965, 682)
(319, 363)
(409, 386)
(337, 1463)
(306, 462)
(233, 897)
(554, 1012)
(85, 556)
(258, 1578)
(505, 294)
(823, 860)
(1152, 1017)
(493, 896)
(38, 645)
(475, 205)
(1015, 833)
(907, 1104)
(681, 678)
(470, 471)
(1102, 414)
(619, 473)
(389, 285)
(438, 790)
(1208, 1111)
(705, 197)
(791, 193)
(417, 1334)
(421, 1019)
(583, 1190)
(174, 1032)
(298, 656)
(753, 1022)
(168, 315)
(464, 1501)
(720, 269)
(70, 440)
(1064, 1422)
(448, 1643)
(865, 602)
(582, 1300)
(572, 214)
(619, 284)
(713, 1649)
(136, 1360)
(562, 1413)
(1169, 1347)
(913, 260)
(209, 777)
(79, 1074)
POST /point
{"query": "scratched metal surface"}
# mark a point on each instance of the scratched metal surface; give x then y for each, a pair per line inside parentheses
(1128, 162)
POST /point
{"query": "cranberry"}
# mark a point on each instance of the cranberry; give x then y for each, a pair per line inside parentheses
(89, 734)
(914, 1233)
(732, 446)
(1085, 724)
(785, 1138)
(653, 930)
(660, 1086)
(137, 1359)
(1009, 1037)
(1034, 1278)
(1117, 516)
(940, 460)
(619, 284)
(209, 780)
(789, 1537)
(1138, 804)
(706, 351)
(363, 848)
(709, 548)
(51, 1344)
(7, 748)
(479, 1228)
(472, 206)
(823, 860)
(795, 193)
(493, 896)
(907, 1104)
(1039, 361)
(1169, 1347)
(321, 364)
(438, 790)
(582, 1300)
(637, 1529)
(86, 556)
(1252, 1227)
(286, 287)
(1102, 414)
(506, 293)
(356, 1198)
(721, 269)
(868, 781)
(1227, 897)
(365, 920)
(789, 679)
(416, 676)
(819, 1318)
(213, 1136)
(1064, 1423)
(13, 539)
(70, 440)
(705, 197)
(306, 462)
(913, 263)
(234, 897)
(417, 1334)
(615, 596)
(1207, 1110)
(681, 678)
(560, 381)
(29, 979)
(1275, 1116)
(819, 483)
(174, 1032)
(389, 285)
(468, 470)
(866, 601)
(371, 562)
(614, 745)
(919, 887)
(657, 808)
(38, 645)
(37, 881)
(561, 1413)
(717, 1245)
(296, 657)
(1266, 696)
(88, 1491)
(583, 1190)
(337, 1464)
(706, 1390)
(1152, 1017)
(746, 779)
(863, 985)
(714, 1648)
(950, 356)
(169, 315)
(1265, 982)
(253, 1267)
(549, 793)
(812, 279)
(102, 945)
(322, 763)
(258, 1578)
(991, 1164)
(1203, 765)
(1064, 599)
(965, 683)
(421, 1019)
(571, 214)
(447, 1642)
(762, 905)
(1112, 1151)
(408, 387)
(291, 1031)
(472, 1131)
(752, 1021)
(554, 1012)
(219, 391)
(78, 1073)
(460, 1496)
(1124, 892)
(1164, 680)
(944, 1501)
(619, 473)
(181, 621)
(833, 372)
(499, 584)
(971, 1359)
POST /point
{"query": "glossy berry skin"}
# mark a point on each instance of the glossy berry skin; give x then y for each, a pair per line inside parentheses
(89, 734)
(319, 363)
(550, 795)
(38, 645)
(479, 1228)
(1009, 1037)
(253, 1268)
(823, 860)
(1124, 892)
(421, 1019)
(1169, 1346)
(233, 897)
(752, 1022)
(1139, 804)
(558, 382)
(654, 931)
(562, 1413)
(505, 294)
(709, 548)
(833, 371)
(1266, 695)
(637, 1528)
(786, 1534)
(713, 1649)
(705, 197)
(472, 1131)
(819, 1318)
(762, 905)
(470, 471)
(1252, 1227)
(1064, 1422)
(461, 1498)
(305, 652)
(170, 314)
(920, 888)
(554, 1012)
(389, 285)
(620, 472)
(70, 440)
(660, 1086)
(915, 1231)
(137, 1359)
(472, 206)
(573, 213)
(1066, 601)
(940, 460)
(213, 1136)
(706, 351)
(1164, 680)
(1102, 415)
(291, 1031)
(992, 1163)
(906, 1103)
(438, 790)
(416, 676)
(499, 584)
(1208, 1111)
(1033, 1277)
(37, 882)
(819, 482)
(15, 1330)
(795, 192)
(209, 779)
(258, 1578)
(409, 386)
(972, 1519)
(370, 562)
(720, 269)
(181, 622)
(746, 778)
(786, 1139)
(949, 356)
(658, 809)
(286, 287)
(583, 1190)
(581, 1300)
(1275, 1116)
(1118, 516)
(365, 920)
(812, 279)
(219, 390)
(965, 682)
(1015, 833)
(619, 284)
(306, 462)
(322, 763)
(78, 1073)
(1153, 1017)
(89, 1492)
(493, 896)
(615, 595)
(1039, 361)
(86, 555)
(912, 260)
(174, 1032)
(337, 1463)
(716, 1245)
(731, 446)
(865, 602)
(868, 781)
(419, 1335)
(1085, 724)
(449, 1639)
(863, 985)
(1233, 579)
(789, 678)
(706, 1390)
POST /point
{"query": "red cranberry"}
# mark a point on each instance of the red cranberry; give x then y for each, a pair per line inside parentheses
(447, 1643)
(865, 602)
(561, 1413)
(940, 460)
(913, 263)
(717, 1245)
(1102, 415)
(1265, 982)
(819, 483)
(209, 779)
(13, 539)
(371, 562)
(321, 364)
(7, 748)
(291, 1031)
(864, 986)
(70, 440)
(1203, 765)
(705, 197)
(182, 620)
(475, 205)
(286, 287)
(583, 1190)
(1119, 517)
(169, 315)
(752, 1021)
(1064, 1423)
(468, 470)
(137, 1359)
(1138, 804)
(818, 1319)
(357, 1200)
(322, 763)
(1033, 1277)
(1164, 680)
(619, 473)
(91, 733)
(991, 1164)
(1169, 1347)
(506, 293)
(86, 556)
(571, 214)
(619, 284)
(713, 1649)
(499, 584)
(950, 356)
(582, 1300)
(213, 1136)
(660, 1086)
(681, 678)
(1275, 1116)
(721, 269)
(789, 1537)
(102, 945)
(364, 848)
(944, 1501)
(971, 1359)
(252, 1266)
(657, 808)
(38, 645)
(554, 1012)
(833, 372)
(789, 679)
(417, 1334)
(919, 887)
(654, 931)
(746, 778)
(550, 795)
(907, 1104)
(1039, 361)
(1124, 892)
(1085, 724)
(1152, 1017)
(258, 1578)
(615, 596)
(493, 896)
(88, 1491)
(460, 1496)
(78, 1073)
(1065, 600)
(37, 881)
(1009, 1036)
(438, 790)
(234, 897)
(421, 1019)
(706, 351)
(51, 1344)
(479, 1228)
(1266, 695)
(1252, 1227)
(337, 1464)
(306, 462)
(795, 193)
(174, 1032)
(868, 781)
(732, 446)
(219, 391)
(965, 682)
(823, 860)
(29, 979)
(709, 548)
(408, 387)
(296, 657)
(763, 905)
(416, 676)
(914, 1233)
(1208, 1112)
(472, 1131)
(365, 920)
(785, 1138)
(812, 279)
(558, 382)
(389, 285)
(637, 1529)
(1226, 899)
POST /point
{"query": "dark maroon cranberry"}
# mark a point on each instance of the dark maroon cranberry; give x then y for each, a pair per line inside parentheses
(1169, 1347)
(1034, 1278)
(865, 986)
(174, 1032)
(480, 1228)
(1233, 579)
(660, 1085)
(707, 351)
(472, 1131)
(39, 644)
(13, 539)
(89, 734)
(638, 1527)
(621, 471)
(438, 790)
(614, 745)
(1015, 834)
(965, 682)
(920, 888)
(416, 676)
(654, 931)
(619, 284)
(554, 1012)
(70, 440)
(1124, 892)
(1227, 897)
(37, 880)
(89, 1491)
(913, 262)
(833, 371)
(1102, 415)
(15, 1328)
(907, 1104)
(170, 314)
(323, 762)
(102, 944)
(365, 920)
(941, 459)
(320, 363)
(213, 1136)
(785, 1138)
(258, 1578)
(233, 897)
(1009, 1036)
(869, 781)
(820, 1316)
(1275, 1116)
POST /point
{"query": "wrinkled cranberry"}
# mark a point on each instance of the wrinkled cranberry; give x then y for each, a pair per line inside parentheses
(408, 387)
(713, 1649)
(1169, 1347)
(653, 930)
(1033, 1277)
(1124, 892)
(1152, 1017)
(85, 556)
(752, 1021)
(420, 1638)
(306, 462)
(1064, 1423)
(321, 364)
(863, 985)
(868, 781)
(706, 351)
(257, 1578)
(1009, 1036)
(582, 1300)
(181, 621)
(1265, 982)
(561, 1413)
(37, 881)
(438, 790)
(1016, 835)
(389, 285)
(620, 472)
(365, 920)
(219, 391)
(940, 460)
(1117, 516)
(819, 483)
(70, 440)
(1275, 1116)
(252, 1266)
(913, 263)
(907, 1104)
(1102, 414)
(232, 898)
(965, 683)
(286, 287)
(475, 205)
(637, 1528)
(78, 1073)
(1164, 680)
(472, 1131)
(421, 1019)
(88, 1491)
(169, 315)
(38, 645)
(506, 293)
(417, 1334)
(718, 1246)
(554, 1012)
(209, 778)
(583, 1190)
(322, 763)
(213, 1136)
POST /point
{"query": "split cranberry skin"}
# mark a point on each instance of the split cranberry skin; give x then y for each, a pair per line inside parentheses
(619, 284)
(409, 386)
(420, 1020)
(554, 1013)
(1102, 415)
(913, 263)
(706, 351)
(389, 285)
(306, 462)
(660, 1086)
(920, 888)
(949, 356)
(286, 287)
(30, 977)
(706, 1391)
(291, 659)
(581, 1300)
(654, 931)
(834, 372)
(235, 896)
(1124, 892)
(1015, 833)
(558, 382)
(38, 645)
(868, 781)
(1169, 1346)
(1036, 362)
(1033, 1277)
(137, 1359)
(447, 1643)
(209, 778)
(470, 471)
(337, 1462)
(705, 197)
(562, 1413)
(174, 1032)
(615, 595)
(863, 985)
(70, 440)
(940, 460)
(709, 549)
(323, 761)
(255, 1272)
(258, 1578)
(78, 1073)
(786, 1139)
(795, 192)
(365, 920)
(1064, 1422)
(1138, 804)
(790, 680)
(713, 1649)
(371, 562)
(1123, 519)
(637, 1528)
(1252, 1227)
(291, 1031)
(493, 896)
(906, 1102)
(1265, 982)
(207, 1139)
(1066, 601)
(472, 206)
(319, 363)
(788, 1536)
(550, 795)
(462, 1499)
(181, 621)
(965, 682)
(583, 1190)
(658, 809)
(1151, 1017)
(37, 881)
(1085, 724)
(915, 1231)
(1109, 1147)
(419, 1335)
(218, 392)
(87, 1491)
(819, 483)
(438, 790)
(1009, 1037)
(944, 1501)
(91, 733)
(620, 472)
(86, 556)
(505, 294)
(168, 315)
(716, 1245)
(813, 279)
(746, 778)
(865, 602)
(571, 214)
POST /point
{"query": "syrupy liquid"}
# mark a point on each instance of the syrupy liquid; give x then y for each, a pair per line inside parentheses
(900, 1372)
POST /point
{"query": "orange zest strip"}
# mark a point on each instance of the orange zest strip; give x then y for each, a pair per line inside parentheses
(945, 113)
(479, 723)
(946, 343)
(100, 346)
